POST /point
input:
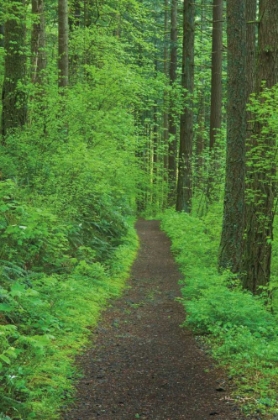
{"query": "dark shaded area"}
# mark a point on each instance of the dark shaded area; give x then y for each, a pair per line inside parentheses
(143, 365)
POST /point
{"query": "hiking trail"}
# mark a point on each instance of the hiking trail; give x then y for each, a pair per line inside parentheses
(142, 364)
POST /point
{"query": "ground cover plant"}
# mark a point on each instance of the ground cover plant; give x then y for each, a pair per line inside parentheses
(239, 328)
(47, 316)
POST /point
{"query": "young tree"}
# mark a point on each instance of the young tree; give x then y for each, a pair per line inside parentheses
(262, 173)
(184, 188)
(231, 246)
(14, 100)
(63, 43)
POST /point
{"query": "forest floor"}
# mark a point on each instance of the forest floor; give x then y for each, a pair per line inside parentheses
(142, 364)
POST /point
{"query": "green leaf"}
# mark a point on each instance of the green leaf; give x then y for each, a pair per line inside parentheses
(5, 359)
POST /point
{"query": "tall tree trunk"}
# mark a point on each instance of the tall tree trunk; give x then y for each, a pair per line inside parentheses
(251, 35)
(14, 100)
(231, 246)
(216, 92)
(38, 54)
(63, 42)
(251, 57)
(200, 131)
(166, 101)
(262, 176)
(184, 188)
(216, 72)
(172, 156)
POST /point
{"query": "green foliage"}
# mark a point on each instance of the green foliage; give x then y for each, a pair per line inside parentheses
(45, 321)
(241, 332)
(68, 184)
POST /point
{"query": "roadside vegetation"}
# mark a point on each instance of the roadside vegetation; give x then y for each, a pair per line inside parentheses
(238, 328)
(54, 287)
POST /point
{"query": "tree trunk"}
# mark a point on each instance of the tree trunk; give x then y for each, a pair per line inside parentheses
(251, 57)
(172, 166)
(251, 35)
(262, 175)
(231, 246)
(216, 96)
(164, 168)
(2, 32)
(14, 101)
(75, 15)
(63, 35)
(184, 188)
(38, 54)
(200, 142)
(216, 72)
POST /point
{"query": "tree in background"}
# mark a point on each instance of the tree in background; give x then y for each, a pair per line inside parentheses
(184, 187)
(172, 158)
(14, 100)
(216, 72)
(63, 45)
(216, 91)
(38, 53)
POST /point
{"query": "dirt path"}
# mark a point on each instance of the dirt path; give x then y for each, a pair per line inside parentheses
(143, 365)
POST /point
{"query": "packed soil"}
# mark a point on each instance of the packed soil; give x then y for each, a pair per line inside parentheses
(142, 364)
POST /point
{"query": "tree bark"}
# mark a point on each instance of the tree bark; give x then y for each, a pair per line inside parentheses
(262, 173)
(231, 246)
(14, 100)
(184, 188)
(63, 41)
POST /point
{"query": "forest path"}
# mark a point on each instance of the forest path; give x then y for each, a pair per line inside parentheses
(143, 365)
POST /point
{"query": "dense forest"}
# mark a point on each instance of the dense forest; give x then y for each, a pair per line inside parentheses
(115, 109)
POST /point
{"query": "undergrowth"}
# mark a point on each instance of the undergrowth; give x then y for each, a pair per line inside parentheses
(50, 300)
(239, 328)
